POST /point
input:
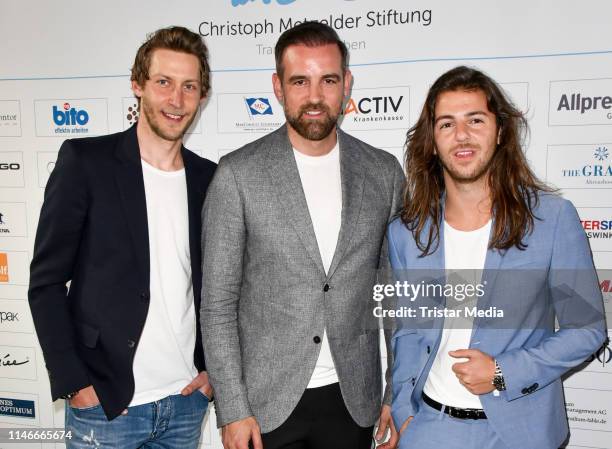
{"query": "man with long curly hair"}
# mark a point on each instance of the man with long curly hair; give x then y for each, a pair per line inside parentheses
(499, 256)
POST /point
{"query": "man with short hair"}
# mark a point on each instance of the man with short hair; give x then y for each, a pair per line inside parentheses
(294, 225)
(478, 364)
(121, 223)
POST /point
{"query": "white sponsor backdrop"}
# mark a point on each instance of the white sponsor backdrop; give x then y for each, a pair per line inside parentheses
(65, 73)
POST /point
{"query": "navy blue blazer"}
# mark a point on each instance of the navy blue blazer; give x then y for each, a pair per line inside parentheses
(93, 232)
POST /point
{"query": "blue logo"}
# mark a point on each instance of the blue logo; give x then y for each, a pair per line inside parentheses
(259, 106)
(69, 116)
(265, 2)
(601, 153)
(17, 407)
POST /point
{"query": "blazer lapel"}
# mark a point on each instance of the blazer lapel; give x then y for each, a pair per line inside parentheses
(492, 266)
(194, 207)
(285, 177)
(130, 183)
(352, 178)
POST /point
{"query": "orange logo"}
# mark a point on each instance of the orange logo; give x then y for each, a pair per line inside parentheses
(4, 267)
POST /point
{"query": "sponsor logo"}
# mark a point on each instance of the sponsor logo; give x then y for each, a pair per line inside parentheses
(46, 164)
(14, 267)
(592, 171)
(62, 117)
(10, 166)
(15, 317)
(581, 102)
(248, 113)
(3, 226)
(258, 106)
(17, 407)
(375, 109)
(10, 118)
(8, 317)
(264, 2)
(579, 166)
(70, 116)
(130, 112)
(597, 228)
(4, 267)
(13, 220)
(17, 363)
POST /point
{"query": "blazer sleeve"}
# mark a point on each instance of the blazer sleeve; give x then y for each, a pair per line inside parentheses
(387, 276)
(404, 348)
(577, 301)
(58, 237)
(223, 245)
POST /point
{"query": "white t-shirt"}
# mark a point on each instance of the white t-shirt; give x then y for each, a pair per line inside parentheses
(163, 363)
(322, 187)
(464, 257)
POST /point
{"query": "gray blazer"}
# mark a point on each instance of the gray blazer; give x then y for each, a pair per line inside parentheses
(265, 294)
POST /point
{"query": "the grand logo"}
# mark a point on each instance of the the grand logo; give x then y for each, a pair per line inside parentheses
(579, 166)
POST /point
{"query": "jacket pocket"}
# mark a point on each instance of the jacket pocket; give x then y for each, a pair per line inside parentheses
(88, 335)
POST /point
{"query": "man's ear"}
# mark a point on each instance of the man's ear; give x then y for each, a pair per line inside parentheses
(136, 89)
(277, 84)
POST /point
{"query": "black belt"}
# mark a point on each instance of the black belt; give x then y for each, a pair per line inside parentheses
(456, 412)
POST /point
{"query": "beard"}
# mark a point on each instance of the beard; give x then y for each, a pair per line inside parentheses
(463, 176)
(312, 129)
(170, 135)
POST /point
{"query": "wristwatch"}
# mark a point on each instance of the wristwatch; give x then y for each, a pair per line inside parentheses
(498, 379)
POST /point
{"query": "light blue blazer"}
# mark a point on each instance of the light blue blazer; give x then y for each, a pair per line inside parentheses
(553, 277)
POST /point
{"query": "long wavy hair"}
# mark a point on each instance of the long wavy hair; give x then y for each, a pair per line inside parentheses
(513, 185)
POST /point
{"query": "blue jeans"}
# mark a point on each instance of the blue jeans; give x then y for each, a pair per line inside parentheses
(174, 422)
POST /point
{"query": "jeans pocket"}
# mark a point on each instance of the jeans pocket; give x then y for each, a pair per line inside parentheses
(85, 409)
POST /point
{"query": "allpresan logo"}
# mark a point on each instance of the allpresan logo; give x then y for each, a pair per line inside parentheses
(583, 103)
(265, 2)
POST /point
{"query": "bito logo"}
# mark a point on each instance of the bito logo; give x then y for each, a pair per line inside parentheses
(69, 116)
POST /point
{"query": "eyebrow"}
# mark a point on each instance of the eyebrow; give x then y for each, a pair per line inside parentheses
(161, 75)
(303, 77)
(469, 114)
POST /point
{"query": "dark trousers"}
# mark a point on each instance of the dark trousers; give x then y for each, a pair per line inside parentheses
(319, 421)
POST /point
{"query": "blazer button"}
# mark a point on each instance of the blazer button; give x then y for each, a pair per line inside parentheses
(534, 387)
(525, 391)
(317, 339)
(131, 343)
(428, 349)
(144, 296)
(326, 288)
